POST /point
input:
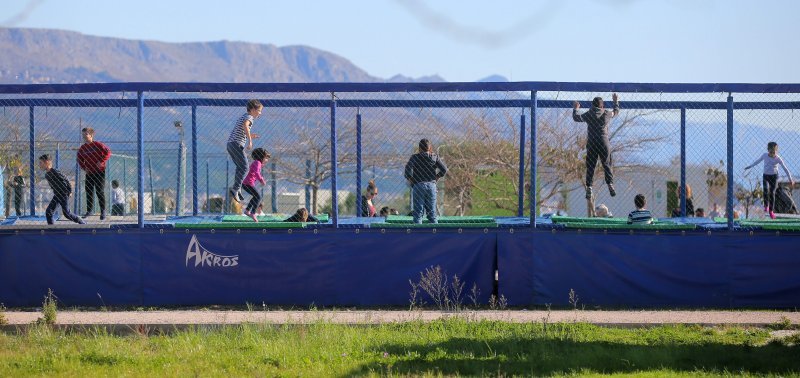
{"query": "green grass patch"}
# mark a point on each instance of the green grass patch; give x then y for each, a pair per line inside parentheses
(446, 347)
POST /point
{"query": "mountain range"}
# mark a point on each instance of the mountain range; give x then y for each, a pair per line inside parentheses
(42, 56)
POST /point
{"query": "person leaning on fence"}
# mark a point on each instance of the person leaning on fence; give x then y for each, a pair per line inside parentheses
(367, 207)
(422, 171)
(239, 138)
(640, 215)
(92, 158)
(301, 215)
(771, 161)
(597, 145)
(61, 191)
(260, 157)
(117, 199)
(676, 212)
(18, 183)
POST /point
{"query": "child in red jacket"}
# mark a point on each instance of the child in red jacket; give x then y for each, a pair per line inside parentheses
(92, 157)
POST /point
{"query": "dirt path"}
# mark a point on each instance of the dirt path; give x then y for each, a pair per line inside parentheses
(202, 317)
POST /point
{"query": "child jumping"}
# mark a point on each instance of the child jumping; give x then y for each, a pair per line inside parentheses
(260, 157)
(640, 215)
(771, 161)
(61, 191)
(241, 135)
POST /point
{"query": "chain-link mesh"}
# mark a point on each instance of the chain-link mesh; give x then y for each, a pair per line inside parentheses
(472, 167)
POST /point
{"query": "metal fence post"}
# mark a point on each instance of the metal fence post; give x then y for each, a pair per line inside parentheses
(32, 160)
(178, 197)
(307, 186)
(729, 201)
(208, 192)
(682, 190)
(521, 191)
(274, 190)
(227, 203)
(152, 191)
(533, 159)
(140, 156)
(334, 163)
(358, 163)
(194, 160)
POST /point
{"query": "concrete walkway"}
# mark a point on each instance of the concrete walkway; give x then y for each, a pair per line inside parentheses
(212, 317)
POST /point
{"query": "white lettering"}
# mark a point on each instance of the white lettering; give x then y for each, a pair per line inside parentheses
(205, 258)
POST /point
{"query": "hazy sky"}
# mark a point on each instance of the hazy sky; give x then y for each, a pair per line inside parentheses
(600, 40)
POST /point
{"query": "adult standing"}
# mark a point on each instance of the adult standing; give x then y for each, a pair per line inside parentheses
(597, 145)
(422, 171)
(92, 158)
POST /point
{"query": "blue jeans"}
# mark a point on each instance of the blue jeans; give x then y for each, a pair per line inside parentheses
(424, 197)
(240, 161)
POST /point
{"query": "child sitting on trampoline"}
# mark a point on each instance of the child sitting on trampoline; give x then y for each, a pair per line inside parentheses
(61, 191)
(771, 161)
(260, 157)
(640, 215)
(301, 215)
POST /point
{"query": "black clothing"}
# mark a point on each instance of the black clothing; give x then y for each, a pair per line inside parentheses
(676, 212)
(365, 208)
(424, 167)
(597, 145)
(18, 182)
(61, 191)
(252, 206)
(95, 182)
(117, 209)
(58, 182)
(295, 218)
(770, 182)
(60, 200)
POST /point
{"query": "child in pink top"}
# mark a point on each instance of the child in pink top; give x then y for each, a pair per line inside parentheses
(260, 157)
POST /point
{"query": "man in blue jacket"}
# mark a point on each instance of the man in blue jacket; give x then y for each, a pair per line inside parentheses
(422, 171)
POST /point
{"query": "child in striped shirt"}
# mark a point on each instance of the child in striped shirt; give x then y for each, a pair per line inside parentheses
(239, 138)
(640, 215)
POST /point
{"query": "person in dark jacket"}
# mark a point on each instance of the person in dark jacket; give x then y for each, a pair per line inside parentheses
(61, 191)
(92, 158)
(597, 145)
(367, 206)
(18, 183)
(422, 171)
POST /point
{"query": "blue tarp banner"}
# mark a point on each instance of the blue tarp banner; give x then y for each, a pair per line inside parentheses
(515, 267)
(81, 269)
(369, 268)
(619, 270)
(301, 269)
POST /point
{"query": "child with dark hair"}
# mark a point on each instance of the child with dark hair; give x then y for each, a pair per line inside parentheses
(117, 199)
(61, 191)
(260, 157)
(640, 215)
(367, 207)
(239, 137)
(771, 161)
(301, 215)
(18, 183)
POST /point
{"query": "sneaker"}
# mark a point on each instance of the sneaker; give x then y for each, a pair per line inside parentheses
(86, 214)
(81, 221)
(102, 215)
(588, 192)
(771, 214)
(611, 190)
(234, 196)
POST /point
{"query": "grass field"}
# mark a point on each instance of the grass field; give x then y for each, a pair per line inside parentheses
(446, 347)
